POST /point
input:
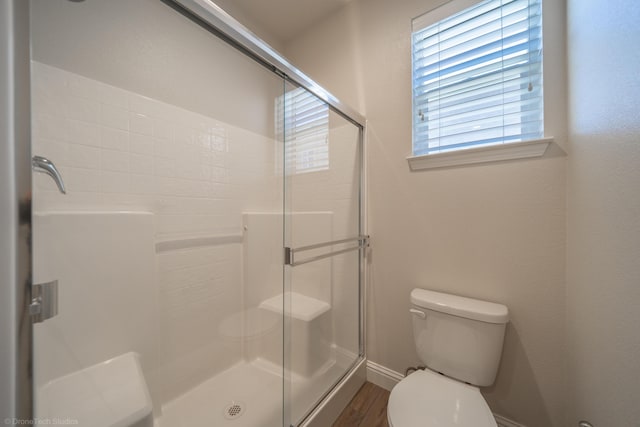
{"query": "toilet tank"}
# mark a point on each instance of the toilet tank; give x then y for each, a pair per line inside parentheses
(457, 336)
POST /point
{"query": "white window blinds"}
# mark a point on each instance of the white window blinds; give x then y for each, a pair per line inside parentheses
(477, 76)
(302, 122)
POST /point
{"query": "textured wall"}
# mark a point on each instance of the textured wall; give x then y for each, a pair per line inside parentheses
(495, 231)
(603, 266)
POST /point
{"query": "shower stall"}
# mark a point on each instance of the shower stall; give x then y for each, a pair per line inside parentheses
(205, 262)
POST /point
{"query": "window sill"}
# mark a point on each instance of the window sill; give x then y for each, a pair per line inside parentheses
(493, 153)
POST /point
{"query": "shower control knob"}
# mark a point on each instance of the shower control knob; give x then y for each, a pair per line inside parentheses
(35, 307)
(44, 301)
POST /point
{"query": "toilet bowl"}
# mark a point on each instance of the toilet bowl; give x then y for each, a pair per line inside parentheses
(426, 398)
(460, 341)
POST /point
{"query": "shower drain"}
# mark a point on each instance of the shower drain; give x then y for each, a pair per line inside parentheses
(233, 410)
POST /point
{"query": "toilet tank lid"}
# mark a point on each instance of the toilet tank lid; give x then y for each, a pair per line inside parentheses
(469, 308)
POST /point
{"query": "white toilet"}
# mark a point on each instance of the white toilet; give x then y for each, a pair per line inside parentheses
(460, 341)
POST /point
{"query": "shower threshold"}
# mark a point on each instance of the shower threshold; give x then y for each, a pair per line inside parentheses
(248, 394)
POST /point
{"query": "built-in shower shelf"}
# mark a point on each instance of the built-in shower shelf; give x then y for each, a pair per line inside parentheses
(296, 305)
(186, 242)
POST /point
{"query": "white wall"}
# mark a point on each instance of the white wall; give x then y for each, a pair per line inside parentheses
(495, 232)
(603, 267)
(147, 47)
(250, 21)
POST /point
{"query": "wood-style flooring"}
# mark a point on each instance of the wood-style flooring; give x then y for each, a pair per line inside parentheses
(368, 408)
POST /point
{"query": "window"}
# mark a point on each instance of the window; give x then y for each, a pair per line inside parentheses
(477, 75)
(305, 131)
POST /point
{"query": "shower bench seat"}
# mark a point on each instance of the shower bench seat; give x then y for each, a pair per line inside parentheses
(310, 332)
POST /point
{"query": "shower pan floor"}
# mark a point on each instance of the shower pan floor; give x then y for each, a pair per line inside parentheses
(248, 394)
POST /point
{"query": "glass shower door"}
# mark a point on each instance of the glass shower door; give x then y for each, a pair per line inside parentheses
(322, 163)
(167, 246)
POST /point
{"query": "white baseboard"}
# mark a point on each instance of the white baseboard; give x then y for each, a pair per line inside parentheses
(387, 379)
(382, 376)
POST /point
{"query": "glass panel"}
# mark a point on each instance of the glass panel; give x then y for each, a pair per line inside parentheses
(167, 246)
(322, 297)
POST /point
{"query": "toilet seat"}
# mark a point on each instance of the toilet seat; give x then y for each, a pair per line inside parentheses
(428, 399)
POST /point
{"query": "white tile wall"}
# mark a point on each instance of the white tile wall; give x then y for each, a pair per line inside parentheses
(199, 289)
(118, 150)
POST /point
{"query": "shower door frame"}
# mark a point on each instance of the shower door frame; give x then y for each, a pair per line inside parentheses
(216, 19)
(16, 364)
(219, 22)
(16, 328)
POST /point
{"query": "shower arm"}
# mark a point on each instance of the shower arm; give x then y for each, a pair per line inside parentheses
(44, 165)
